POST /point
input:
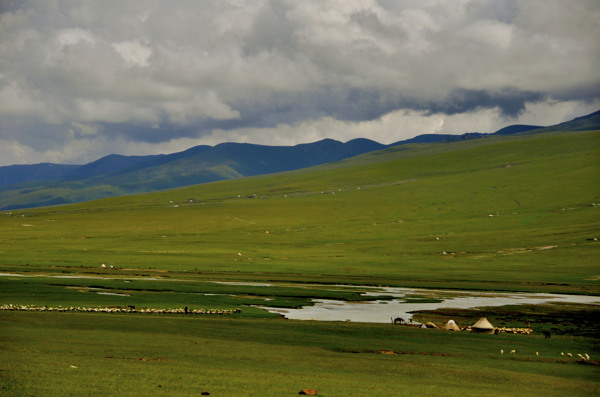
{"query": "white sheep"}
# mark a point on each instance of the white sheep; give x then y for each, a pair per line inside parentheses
(513, 352)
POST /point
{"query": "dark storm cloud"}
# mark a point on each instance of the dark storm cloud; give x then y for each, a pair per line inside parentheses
(353, 104)
(510, 101)
(97, 76)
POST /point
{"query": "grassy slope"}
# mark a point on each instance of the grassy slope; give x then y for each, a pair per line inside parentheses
(387, 232)
(154, 355)
(414, 204)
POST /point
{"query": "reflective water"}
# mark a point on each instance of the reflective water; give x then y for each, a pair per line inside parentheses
(404, 302)
(408, 300)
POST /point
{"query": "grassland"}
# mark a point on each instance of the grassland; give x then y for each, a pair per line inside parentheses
(504, 213)
(96, 354)
(508, 214)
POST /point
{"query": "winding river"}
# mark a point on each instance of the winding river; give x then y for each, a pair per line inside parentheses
(408, 300)
(403, 302)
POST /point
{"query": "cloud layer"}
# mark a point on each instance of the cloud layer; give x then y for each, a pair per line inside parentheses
(82, 79)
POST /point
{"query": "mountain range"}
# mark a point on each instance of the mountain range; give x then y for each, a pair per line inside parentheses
(27, 186)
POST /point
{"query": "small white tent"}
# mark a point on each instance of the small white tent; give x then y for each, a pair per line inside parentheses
(451, 326)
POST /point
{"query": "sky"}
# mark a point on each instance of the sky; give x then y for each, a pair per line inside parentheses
(82, 79)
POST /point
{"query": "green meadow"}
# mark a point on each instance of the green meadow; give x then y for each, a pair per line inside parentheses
(509, 213)
(101, 354)
(512, 213)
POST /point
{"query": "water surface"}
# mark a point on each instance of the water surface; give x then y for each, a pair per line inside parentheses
(408, 300)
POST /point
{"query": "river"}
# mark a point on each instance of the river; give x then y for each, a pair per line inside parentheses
(408, 300)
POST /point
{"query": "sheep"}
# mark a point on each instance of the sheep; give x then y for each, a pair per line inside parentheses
(537, 354)
(569, 354)
(513, 352)
(562, 354)
(587, 356)
(501, 351)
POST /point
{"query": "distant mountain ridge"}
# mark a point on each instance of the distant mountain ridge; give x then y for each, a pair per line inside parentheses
(25, 186)
(22, 173)
(445, 138)
(112, 163)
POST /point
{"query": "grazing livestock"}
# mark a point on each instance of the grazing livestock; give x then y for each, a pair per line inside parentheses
(308, 392)
(513, 352)
(115, 309)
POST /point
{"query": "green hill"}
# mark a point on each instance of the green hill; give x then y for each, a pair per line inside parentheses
(39, 185)
(27, 186)
(510, 212)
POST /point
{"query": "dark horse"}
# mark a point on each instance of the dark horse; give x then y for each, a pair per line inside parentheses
(398, 320)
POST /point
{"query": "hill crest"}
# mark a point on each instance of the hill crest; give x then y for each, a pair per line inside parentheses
(25, 186)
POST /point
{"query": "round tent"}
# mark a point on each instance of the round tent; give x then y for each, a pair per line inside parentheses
(451, 326)
(483, 326)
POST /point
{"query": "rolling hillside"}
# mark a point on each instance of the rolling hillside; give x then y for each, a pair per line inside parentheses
(116, 175)
(14, 174)
(516, 212)
(49, 184)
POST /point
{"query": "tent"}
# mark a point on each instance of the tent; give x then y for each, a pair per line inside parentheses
(451, 326)
(483, 326)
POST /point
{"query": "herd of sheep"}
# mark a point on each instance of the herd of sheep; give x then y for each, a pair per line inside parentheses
(116, 309)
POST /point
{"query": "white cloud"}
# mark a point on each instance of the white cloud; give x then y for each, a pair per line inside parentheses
(133, 53)
(13, 152)
(80, 129)
(69, 37)
(402, 124)
(199, 107)
(288, 71)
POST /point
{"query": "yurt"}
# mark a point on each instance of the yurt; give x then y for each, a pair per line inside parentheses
(451, 326)
(483, 326)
